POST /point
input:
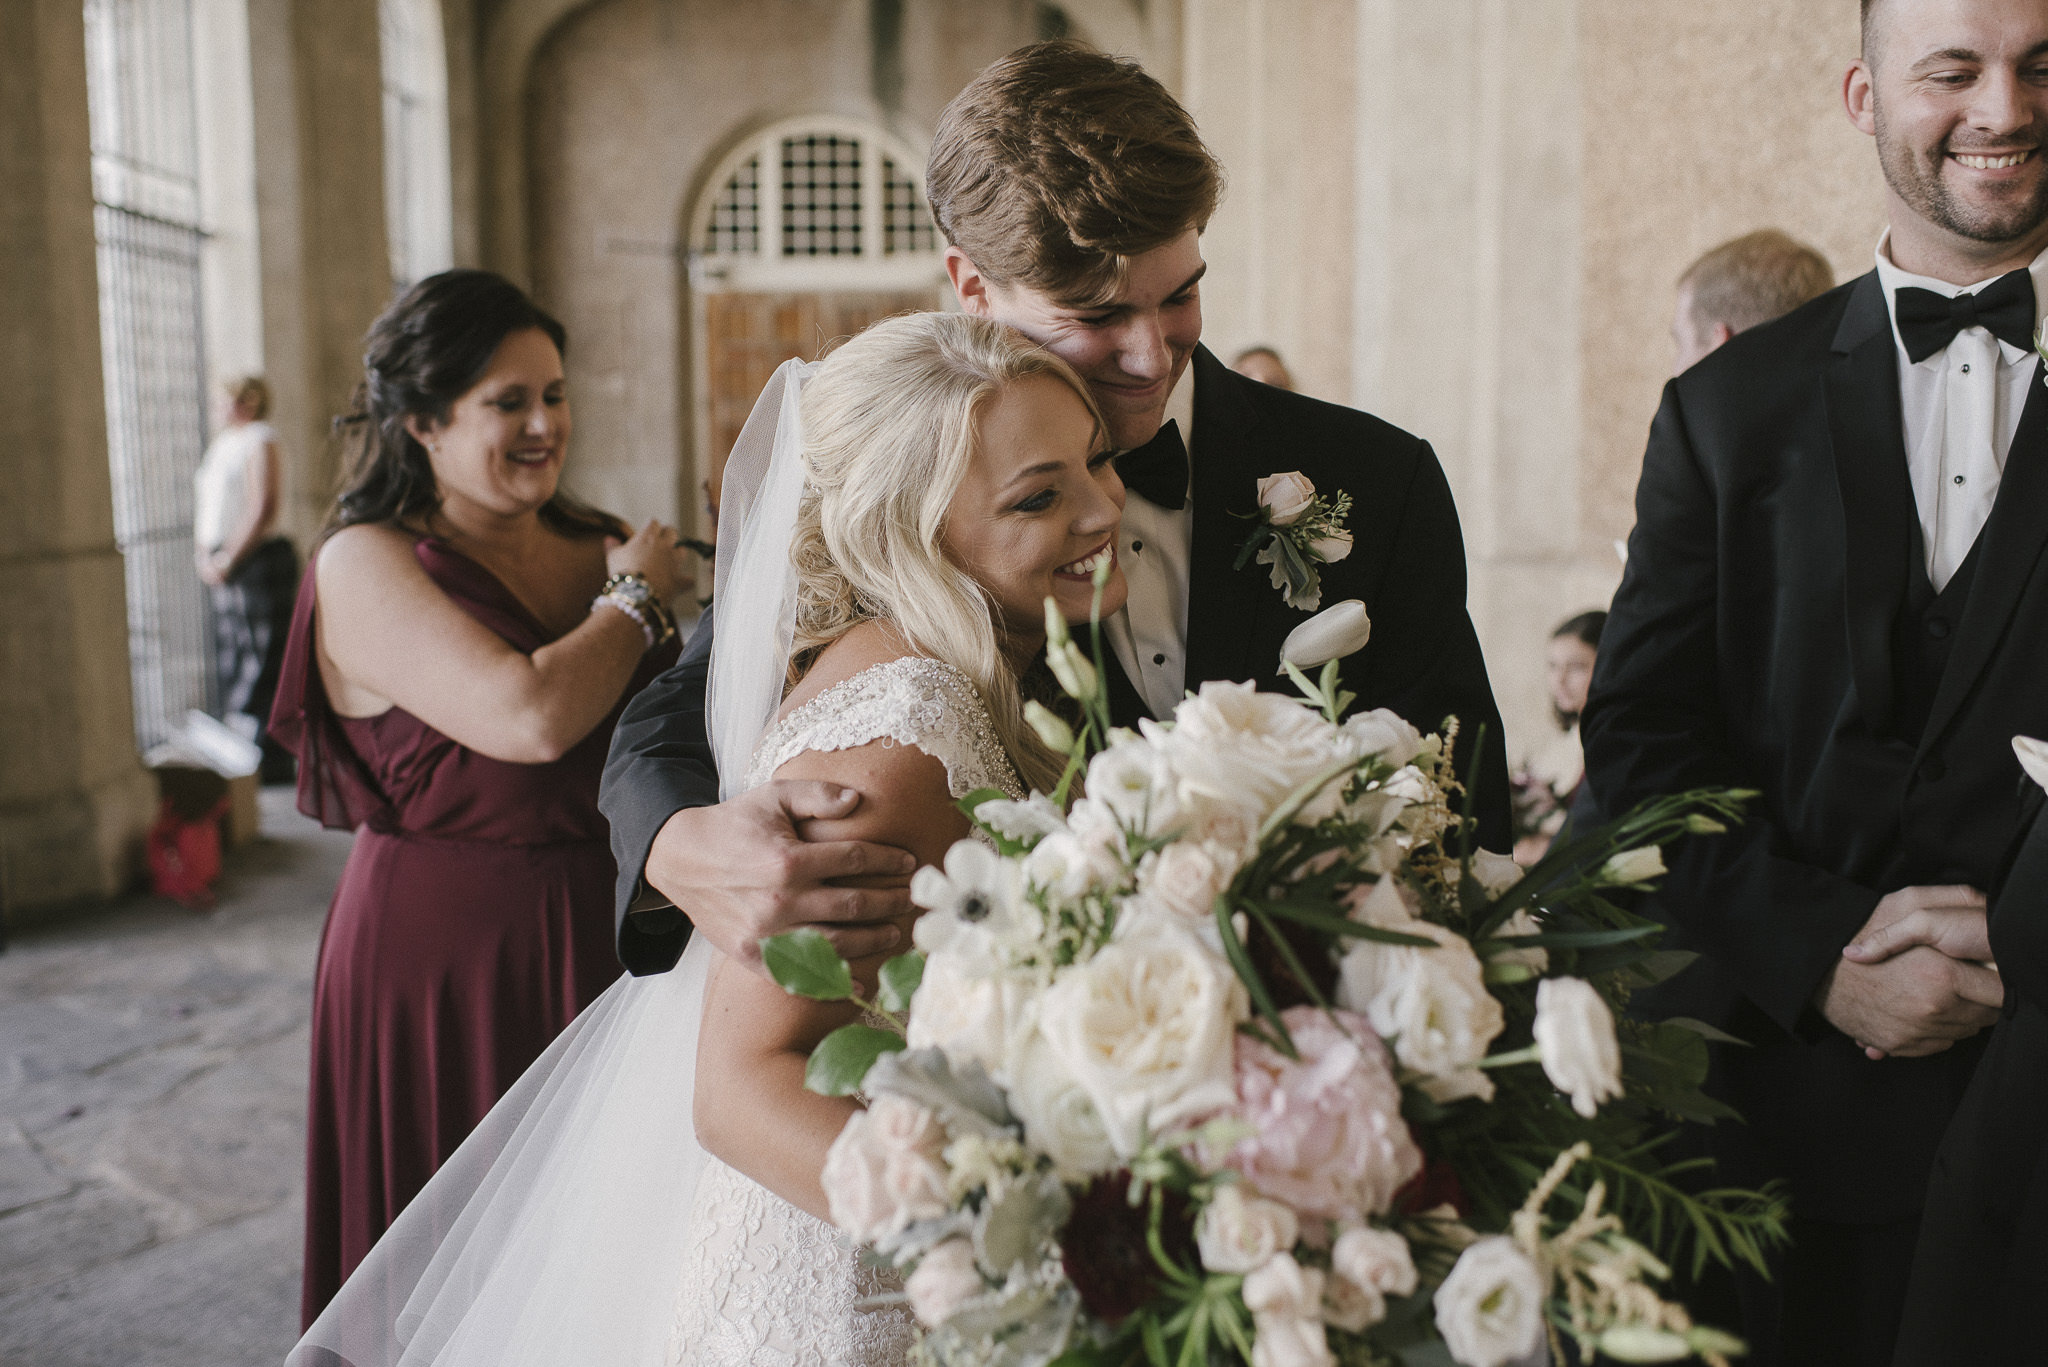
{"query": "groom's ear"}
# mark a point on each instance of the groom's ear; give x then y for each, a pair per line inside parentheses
(970, 286)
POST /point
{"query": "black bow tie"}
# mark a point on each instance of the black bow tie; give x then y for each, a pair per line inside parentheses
(1158, 471)
(1928, 322)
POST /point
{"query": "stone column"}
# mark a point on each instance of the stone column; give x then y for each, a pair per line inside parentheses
(326, 269)
(73, 797)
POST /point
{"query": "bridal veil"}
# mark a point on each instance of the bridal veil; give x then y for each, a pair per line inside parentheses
(556, 1234)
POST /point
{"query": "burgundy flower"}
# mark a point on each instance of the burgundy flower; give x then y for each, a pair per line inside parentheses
(1436, 1185)
(1103, 1246)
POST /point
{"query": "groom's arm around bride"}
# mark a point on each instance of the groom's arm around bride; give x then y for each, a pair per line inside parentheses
(1073, 189)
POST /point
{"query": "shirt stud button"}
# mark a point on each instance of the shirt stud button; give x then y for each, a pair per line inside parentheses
(1960, 480)
(1159, 659)
(1137, 546)
(1966, 367)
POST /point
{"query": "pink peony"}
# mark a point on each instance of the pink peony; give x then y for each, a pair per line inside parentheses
(1328, 1138)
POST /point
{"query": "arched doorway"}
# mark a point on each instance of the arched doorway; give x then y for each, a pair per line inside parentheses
(807, 231)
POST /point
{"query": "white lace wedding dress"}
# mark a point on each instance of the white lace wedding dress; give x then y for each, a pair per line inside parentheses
(763, 1283)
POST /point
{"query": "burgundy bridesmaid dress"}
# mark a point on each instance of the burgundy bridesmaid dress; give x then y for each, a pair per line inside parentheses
(472, 922)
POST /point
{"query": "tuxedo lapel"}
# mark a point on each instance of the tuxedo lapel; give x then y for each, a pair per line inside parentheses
(2009, 550)
(1125, 705)
(1222, 602)
(1866, 430)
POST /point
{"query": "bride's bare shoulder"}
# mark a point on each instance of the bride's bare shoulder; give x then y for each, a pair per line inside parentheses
(859, 650)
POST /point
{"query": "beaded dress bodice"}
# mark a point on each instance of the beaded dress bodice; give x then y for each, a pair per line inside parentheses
(764, 1282)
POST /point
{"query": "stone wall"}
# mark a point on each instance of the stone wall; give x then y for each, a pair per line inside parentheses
(73, 798)
(1468, 216)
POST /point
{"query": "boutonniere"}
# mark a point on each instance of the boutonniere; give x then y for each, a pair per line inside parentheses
(2041, 350)
(1299, 531)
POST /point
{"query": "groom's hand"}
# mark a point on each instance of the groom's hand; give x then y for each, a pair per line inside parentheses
(741, 873)
(1917, 977)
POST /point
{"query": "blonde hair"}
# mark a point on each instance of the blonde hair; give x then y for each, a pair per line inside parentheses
(889, 432)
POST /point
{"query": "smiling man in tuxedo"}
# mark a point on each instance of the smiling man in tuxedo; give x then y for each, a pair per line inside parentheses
(1073, 190)
(1837, 595)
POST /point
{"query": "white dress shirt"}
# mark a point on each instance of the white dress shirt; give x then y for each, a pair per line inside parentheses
(1961, 408)
(1150, 636)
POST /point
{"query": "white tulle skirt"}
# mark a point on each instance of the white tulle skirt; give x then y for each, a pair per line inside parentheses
(558, 1233)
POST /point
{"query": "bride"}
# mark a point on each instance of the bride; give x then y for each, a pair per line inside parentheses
(650, 1191)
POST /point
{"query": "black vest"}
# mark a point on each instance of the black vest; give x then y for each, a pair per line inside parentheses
(1922, 635)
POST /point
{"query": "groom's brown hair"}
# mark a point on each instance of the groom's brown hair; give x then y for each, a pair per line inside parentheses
(1058, 163)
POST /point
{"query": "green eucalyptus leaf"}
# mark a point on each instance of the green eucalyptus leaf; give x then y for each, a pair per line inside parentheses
(900, 977)
(804, 964)
(841, 1061)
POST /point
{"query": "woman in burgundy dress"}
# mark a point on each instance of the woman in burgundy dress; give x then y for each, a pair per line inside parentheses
(463, 644)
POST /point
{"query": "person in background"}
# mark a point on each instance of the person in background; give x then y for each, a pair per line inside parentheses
(1551, 779)
(1739, 284)
(250, 571)
(1263, 364)
(461, 649)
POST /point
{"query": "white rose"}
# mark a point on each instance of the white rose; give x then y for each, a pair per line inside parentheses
(1148, 1028)
(1239, 753)
(2033, 757)
(1282, 1286)
(1332, 548)
(1430, 1005)
(1060, 1119)
(1367, 1265)
(1575, 1033)
(1239, 1233)
(1290, 1341)
(1382, 733)
(883, 1172)
(1338, 630)
(1286, 497)
(974, 1011)
(1060, 866)
(1102, 840)
(945, 1279)
(1533, 958)
(1490, 1309)
(1185, 878)
(1633, 866)
(1134, 780)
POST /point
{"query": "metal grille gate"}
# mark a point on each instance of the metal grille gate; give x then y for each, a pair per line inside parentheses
(146, 218)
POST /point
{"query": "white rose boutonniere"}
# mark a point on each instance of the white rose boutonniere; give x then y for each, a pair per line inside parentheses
(1298, 531)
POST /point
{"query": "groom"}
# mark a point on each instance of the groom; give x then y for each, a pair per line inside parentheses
(1073, 190)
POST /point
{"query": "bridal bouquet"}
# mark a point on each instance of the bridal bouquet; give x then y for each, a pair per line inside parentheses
(1247, 1055)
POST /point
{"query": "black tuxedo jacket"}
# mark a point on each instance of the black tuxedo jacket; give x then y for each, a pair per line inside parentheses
(1407, 564)
(1751, 645)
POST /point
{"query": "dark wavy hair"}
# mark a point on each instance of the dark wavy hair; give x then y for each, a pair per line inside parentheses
(422, 354)
(1585, 628)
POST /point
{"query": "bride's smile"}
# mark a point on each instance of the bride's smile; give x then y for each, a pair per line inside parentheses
(1039, 507)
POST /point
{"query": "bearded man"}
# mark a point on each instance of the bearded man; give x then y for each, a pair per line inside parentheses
(1073, 190)
(1837, 595)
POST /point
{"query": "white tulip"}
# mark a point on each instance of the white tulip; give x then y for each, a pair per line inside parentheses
(1575, 1033)
(1338, 630)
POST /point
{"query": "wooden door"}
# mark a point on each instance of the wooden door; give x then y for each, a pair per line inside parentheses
(748, 334)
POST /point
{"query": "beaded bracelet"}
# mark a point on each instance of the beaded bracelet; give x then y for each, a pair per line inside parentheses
(616, 601)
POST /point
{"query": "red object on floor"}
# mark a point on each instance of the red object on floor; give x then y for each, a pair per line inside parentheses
(184, 854)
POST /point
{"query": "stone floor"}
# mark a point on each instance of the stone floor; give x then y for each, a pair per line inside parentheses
(152, 1114)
